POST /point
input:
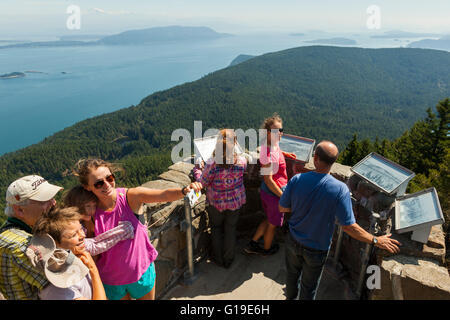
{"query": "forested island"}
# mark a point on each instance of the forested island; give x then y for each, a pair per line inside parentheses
(132, 37)
(439, 44)
(335, 41)
(12, 75)
(162, 34)
(403, 34)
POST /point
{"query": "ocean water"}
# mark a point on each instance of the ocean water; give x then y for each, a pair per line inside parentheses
(77, 83)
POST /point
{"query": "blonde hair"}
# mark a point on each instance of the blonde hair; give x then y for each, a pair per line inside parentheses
(78, 197)
(55, 222)
(227, 138)
(268, 122)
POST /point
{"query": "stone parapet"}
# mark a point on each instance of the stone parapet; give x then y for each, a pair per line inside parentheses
(412, 278)
(419, 266)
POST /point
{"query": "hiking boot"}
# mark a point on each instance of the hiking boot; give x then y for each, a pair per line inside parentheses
(273, 249)
(253, 248)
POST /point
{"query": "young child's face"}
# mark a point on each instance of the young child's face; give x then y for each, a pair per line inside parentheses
(73, 236)
(89, 209)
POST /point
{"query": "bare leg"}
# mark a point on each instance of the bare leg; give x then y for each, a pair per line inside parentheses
(269, 235)
(261, 230)
(150, 295)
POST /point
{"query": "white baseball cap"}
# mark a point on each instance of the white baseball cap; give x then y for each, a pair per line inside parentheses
(31, 187)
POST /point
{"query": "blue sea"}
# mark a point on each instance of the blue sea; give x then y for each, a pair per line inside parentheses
(76, 83)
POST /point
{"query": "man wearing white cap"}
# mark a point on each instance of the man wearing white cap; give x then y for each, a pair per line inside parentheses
(26, 200)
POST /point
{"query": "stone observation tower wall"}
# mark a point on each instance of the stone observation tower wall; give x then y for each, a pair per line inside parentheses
(417, 272)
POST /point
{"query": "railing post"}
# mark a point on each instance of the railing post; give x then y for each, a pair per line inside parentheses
(189, 274)
(337, 251)
(362, 273)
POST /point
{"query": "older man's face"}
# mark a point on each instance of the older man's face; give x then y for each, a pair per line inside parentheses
(34, 210)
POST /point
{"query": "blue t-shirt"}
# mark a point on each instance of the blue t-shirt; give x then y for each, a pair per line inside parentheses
(316, 199)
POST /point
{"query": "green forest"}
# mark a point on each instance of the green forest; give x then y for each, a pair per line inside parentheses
(321, 92)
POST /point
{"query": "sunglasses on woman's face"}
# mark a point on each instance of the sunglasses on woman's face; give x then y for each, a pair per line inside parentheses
(280, 130)
(99, 184)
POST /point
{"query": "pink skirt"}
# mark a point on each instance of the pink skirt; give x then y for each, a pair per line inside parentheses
(270, 206)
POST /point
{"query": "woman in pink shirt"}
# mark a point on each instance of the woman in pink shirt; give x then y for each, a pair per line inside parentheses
(223, 177)
(273, 170)
(127, 269)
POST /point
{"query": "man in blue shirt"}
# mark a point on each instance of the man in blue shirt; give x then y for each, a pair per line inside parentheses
(316, 199)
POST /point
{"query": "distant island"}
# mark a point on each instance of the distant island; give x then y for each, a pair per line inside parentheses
(403, 34)
(13, 41)
(12, 75)
(162, 34)
(82, 37)
(33, 71)
(240, 58)
(297, 34)
(338, 41)
(132, 37)
(440, 44)
(46, 44)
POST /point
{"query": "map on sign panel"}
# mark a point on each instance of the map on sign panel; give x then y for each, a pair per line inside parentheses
(418, 208)
(301, 147)
(383, 173)
(204, 147)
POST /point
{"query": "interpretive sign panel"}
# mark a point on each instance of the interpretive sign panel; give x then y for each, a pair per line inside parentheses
(204, 147)
(417, 210)
(382, 173)
(301, 147)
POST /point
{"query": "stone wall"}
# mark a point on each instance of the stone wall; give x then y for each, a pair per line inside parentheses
(416, 273)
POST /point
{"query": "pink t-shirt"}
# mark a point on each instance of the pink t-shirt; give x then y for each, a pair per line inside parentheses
(274, 156)
(128, 260)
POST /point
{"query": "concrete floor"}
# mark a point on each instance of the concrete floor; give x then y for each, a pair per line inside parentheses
(252, 277)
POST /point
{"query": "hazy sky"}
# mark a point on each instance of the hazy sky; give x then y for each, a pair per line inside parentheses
(48, 17)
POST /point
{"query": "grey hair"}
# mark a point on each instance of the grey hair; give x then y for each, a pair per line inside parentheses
(9, 211)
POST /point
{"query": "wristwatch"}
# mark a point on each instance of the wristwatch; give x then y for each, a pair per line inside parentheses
(183, 190)
(374, 240)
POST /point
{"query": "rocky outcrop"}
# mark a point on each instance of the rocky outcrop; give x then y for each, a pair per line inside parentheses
(412, 278)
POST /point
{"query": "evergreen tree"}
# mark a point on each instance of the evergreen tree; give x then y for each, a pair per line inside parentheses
(351, 152)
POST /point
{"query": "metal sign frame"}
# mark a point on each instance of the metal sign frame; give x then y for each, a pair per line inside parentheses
(400, 187)
(299, 140)
(437, 210)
